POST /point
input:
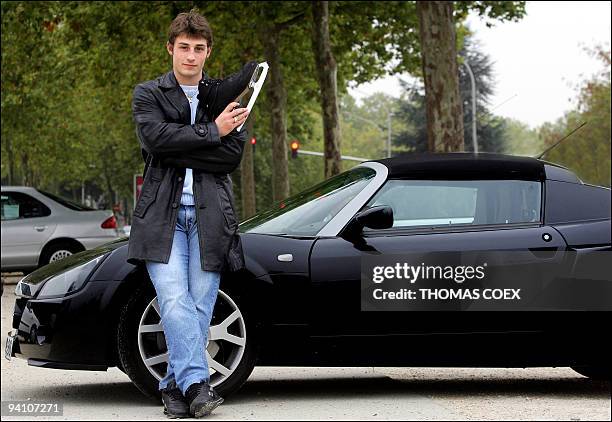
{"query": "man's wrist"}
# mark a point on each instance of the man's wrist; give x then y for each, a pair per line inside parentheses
(214, 132)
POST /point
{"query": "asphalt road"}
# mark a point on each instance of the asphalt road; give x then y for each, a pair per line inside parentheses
(324, 393)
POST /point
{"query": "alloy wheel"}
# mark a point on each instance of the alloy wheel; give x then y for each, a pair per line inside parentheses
(61, 254)
(226, 340)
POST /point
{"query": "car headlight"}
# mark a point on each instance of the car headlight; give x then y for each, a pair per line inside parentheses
(70, 277)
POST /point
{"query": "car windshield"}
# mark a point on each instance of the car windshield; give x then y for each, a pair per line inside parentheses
(306, 213)
(66, 202)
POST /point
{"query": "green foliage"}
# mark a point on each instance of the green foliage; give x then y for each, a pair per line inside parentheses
(491, 11)
(69, 69)
(587, 151)
(365, 128)
(521, 139)
(83, 62)
(491, 130)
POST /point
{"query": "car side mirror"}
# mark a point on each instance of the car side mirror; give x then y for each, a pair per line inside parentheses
(378, 217)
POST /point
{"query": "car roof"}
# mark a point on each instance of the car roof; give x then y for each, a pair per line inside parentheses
(464, 165)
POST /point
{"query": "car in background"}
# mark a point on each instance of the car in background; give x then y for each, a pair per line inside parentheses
(298, 301)
(39, 227)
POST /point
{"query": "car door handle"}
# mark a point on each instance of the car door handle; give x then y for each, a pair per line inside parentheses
(545, 253)
(40, 228)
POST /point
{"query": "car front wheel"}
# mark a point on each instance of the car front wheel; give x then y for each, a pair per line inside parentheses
(231, 351)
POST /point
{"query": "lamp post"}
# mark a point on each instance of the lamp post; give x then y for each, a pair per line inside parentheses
(473, 80)
(388, 134)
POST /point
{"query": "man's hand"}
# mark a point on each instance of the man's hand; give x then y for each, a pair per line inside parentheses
(230, 118)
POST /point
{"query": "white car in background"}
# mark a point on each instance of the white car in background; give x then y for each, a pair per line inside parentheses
(39, 227)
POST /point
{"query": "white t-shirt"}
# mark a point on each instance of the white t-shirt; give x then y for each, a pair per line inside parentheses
(192, 93)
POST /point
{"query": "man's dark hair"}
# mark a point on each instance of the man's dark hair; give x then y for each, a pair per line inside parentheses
(191, 24)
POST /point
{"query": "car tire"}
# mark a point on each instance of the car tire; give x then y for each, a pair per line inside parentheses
(597, 373)
(134, 366)
(63, 249)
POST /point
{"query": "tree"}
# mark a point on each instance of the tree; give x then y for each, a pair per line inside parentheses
(247, 174)
(277, 100)
(587, 151)
(234, 52)
(367, 126)
(272, 23)
(327, 77)
(357, 41)
(280, 34)
(438, 52)
(491, 129)
(439, 61)
(412, 110)
(521, 139)
(28, 37)
(71, 68)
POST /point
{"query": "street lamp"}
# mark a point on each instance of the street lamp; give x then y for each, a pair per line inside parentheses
(473, 80)
(389, 134)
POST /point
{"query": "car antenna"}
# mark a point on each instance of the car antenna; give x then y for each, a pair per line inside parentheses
(559, 141)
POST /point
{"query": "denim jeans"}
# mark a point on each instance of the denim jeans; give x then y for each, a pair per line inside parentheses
(186, 295)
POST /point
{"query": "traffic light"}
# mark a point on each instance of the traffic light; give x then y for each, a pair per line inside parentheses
(253, 143)
(295, 146)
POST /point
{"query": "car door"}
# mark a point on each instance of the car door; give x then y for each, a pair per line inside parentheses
(430, 216)
(25, 229)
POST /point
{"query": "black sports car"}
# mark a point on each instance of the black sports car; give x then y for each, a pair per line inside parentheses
(298, 302)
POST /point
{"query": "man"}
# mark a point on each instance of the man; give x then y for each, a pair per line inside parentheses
(184, 227)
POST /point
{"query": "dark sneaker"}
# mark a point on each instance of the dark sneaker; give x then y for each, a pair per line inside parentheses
(175, 404)
(203, 399)
(215, 94)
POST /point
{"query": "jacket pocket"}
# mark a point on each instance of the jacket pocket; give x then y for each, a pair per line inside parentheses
(226, 208)
(147, 196)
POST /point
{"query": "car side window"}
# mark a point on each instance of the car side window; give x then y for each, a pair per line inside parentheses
(440, 203)
(16, 205)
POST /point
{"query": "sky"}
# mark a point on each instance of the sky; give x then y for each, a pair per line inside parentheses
(538, 61)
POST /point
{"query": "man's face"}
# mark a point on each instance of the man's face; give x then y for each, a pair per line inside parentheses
(188, 57)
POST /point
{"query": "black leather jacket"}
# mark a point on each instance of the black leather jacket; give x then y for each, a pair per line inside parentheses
(169, 145)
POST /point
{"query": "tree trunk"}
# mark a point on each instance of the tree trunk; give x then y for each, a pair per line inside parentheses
(247, 173)
(277, 99)
(108, 179)
(25, 170)
(439, 61)
(327, 78)
(11, 162)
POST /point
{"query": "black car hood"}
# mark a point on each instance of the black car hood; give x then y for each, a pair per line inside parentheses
(52, 269)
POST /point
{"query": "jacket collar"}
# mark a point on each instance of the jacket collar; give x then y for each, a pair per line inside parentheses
(173, 91)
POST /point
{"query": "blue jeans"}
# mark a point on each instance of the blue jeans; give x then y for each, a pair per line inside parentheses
(186, 295)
